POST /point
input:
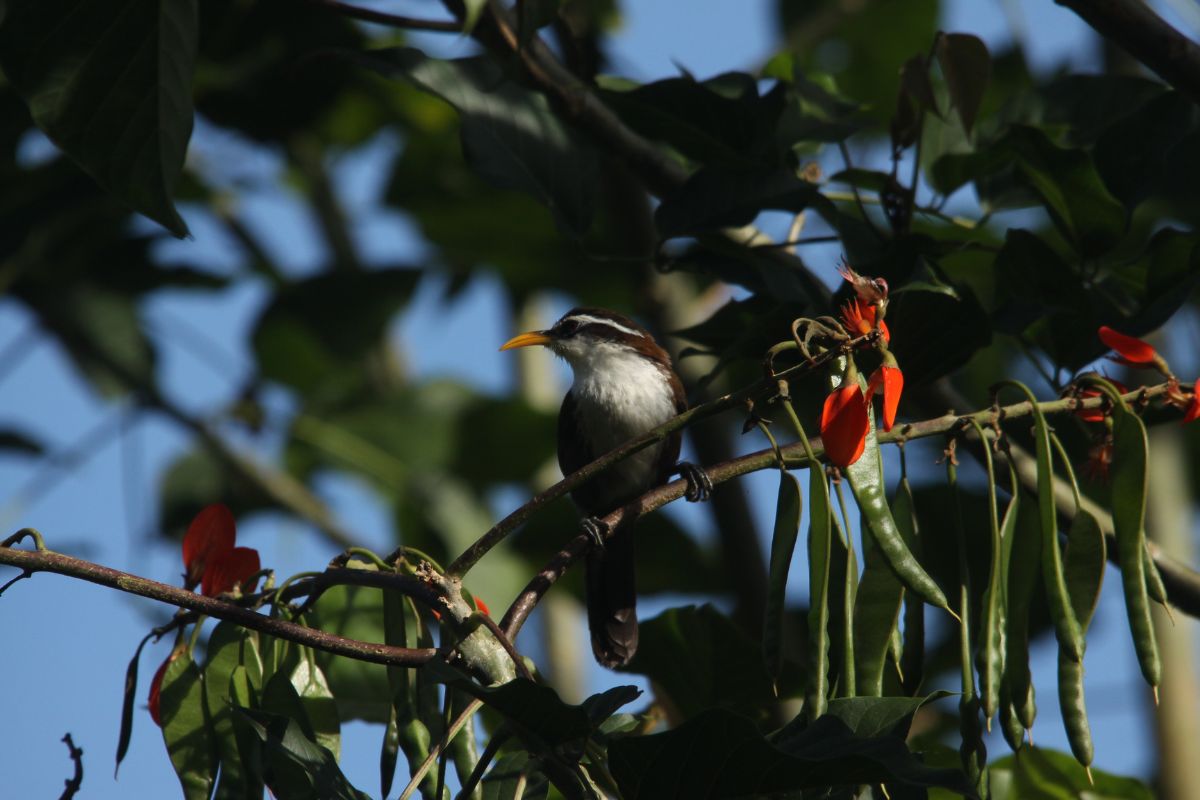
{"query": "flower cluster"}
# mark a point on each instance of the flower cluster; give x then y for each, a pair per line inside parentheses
(1131, 352)
(844, 418)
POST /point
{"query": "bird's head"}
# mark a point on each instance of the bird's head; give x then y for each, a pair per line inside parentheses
(589, 338)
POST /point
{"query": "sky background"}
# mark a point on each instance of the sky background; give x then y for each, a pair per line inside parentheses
(66, 644)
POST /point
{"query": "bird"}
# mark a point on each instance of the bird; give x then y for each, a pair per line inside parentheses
(623, 385)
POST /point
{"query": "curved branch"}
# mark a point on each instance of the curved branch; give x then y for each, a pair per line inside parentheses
(1134, 27)
(49, 561)
(1183, 584)
(504, 527)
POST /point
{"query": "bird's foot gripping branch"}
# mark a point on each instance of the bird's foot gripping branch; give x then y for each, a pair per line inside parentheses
(398, 639)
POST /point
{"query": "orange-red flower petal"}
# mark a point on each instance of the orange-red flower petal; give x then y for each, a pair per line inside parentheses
(156, 691)
(1193, 410)
(211, 533)
(482, 606)
(229, 569)
(859, 319)
(889, 380)
(1133, 350)
(844, 425)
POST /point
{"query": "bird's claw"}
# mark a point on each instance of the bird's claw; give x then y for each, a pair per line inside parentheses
(699, 485)
(596, 530)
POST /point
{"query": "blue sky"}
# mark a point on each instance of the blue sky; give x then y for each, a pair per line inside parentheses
(66, 643)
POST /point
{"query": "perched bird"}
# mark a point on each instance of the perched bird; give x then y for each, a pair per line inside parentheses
(624, 386)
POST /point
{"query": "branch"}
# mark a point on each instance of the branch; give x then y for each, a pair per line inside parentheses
(74, 783)
(49, 561)
(392, 20)
(504, 527)
(1183, 581)
(1135, 28)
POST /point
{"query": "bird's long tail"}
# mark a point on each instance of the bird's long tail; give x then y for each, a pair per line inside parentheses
(612, 599)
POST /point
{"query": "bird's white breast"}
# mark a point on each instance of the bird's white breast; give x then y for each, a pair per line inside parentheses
(620, 394)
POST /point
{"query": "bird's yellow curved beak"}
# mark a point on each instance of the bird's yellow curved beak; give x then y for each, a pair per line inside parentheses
(527, 340)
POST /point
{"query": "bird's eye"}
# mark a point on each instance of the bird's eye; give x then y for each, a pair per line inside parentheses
(566, 327)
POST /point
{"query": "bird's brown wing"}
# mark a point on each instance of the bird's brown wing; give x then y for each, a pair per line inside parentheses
(611, 577)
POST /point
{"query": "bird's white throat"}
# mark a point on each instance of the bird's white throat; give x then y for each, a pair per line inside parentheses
(619, 394)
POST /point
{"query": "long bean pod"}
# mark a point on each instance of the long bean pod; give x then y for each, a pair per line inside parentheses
(1066, 627)
(990, 657)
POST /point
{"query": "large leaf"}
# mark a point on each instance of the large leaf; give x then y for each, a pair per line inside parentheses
(722, 121)
(361, 689)
(967, 68)
(229, 647)
(110, 83)
(724, 666)
(296, 766)
(510, 134)
(537, 709)
(721, 754)
(1034, 773)
(185, 727)
(715, 198)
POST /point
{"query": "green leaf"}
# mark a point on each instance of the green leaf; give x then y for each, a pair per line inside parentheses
(876, 716)
(296, 766)
(967, 67)
(723, 121)
(695, 760)
(537, 709)
(510, 135)
(111, 85)
(185, 727)
(959, 326)
(318, 701)
(783, 547)
(315, 331)
(361, 689)
(230, 647)
(475, 9)
(725, 667)
(715, 198)
(1037, 774)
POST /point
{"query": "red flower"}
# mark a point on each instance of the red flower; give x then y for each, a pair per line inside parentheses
(156, 690)
(211, 533)
(859, 319)
(1193, 409)
(844, 425)
(1132, 352)
(482, 606)
(229, 569)
(1096, 414)
(891, 379)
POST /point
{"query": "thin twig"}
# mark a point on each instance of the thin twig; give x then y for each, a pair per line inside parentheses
(494, 744)
(49, 561)
(76, 781)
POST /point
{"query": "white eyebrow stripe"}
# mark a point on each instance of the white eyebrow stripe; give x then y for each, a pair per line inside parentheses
(587, 319)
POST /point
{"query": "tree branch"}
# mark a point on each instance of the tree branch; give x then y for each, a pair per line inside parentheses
(504, 527)
(1183, 585)
(49, 561)
(75, 782)
(1136, 29)
(391, 20)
